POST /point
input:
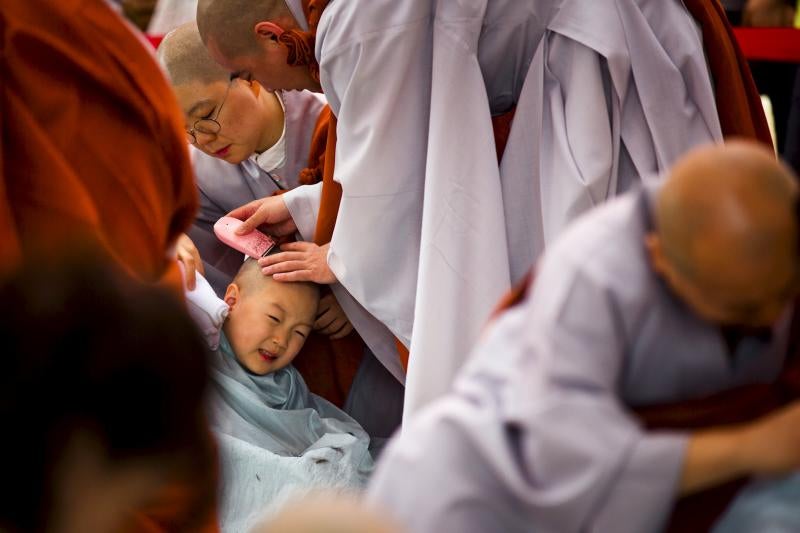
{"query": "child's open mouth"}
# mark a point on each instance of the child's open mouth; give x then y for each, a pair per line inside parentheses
(267, 356)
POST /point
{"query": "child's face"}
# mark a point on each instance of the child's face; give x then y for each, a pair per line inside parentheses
(268, 324)
(246, 116)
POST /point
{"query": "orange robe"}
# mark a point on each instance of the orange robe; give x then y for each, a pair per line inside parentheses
(93, 157)
(92, 150)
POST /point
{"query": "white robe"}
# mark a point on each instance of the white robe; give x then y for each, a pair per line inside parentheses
(481, 54)
(375, 67)
(538, 433)
(593, 113)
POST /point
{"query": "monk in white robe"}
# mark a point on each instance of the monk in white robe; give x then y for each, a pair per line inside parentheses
(636, 305)
(601, 92)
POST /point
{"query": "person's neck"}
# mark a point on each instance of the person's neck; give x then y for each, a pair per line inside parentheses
(275, 120)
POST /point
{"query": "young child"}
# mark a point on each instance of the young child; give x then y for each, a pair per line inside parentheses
(276, 440)
(247, 143)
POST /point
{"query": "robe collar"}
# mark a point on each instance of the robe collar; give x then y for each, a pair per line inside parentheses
(296, 7)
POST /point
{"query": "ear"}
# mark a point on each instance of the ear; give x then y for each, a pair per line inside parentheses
(232, 295)
(268, 30)
(655, 251)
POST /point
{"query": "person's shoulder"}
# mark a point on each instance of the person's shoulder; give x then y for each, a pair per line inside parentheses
(303, 107)
(346, 22)
(606, 244)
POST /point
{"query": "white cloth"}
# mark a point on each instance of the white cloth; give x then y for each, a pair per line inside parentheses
(169, 14)
(375, 69)
(481, 53)
(206, 309)
(605, 91)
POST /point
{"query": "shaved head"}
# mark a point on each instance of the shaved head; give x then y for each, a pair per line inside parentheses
(726, 235)
(185, 59)
(737, 194)
(230, 23)
(250, 280)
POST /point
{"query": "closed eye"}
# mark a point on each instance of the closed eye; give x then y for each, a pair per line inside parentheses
(303, 335)
(274, 319)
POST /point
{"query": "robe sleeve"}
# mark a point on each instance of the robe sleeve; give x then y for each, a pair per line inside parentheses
(382, 116)
(303, 204)
(534, 437)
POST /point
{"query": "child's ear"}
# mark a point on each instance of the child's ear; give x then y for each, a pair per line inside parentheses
(232, 295)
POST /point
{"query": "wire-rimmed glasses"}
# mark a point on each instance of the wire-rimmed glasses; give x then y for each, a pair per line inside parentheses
(209, 126)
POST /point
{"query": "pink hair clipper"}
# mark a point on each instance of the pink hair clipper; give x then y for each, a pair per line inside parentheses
(254, 244)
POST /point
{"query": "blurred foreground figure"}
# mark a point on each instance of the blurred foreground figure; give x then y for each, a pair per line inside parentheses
(92, 146)
(328, 513)
(651, 364)
(101, 398)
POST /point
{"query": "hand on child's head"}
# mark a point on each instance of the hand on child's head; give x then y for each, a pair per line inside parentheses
(268, 321)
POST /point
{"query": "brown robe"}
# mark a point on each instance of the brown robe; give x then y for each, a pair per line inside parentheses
(738, 101)
(92, 151)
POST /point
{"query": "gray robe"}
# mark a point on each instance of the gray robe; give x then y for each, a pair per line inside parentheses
(277, 441)
(538, 433)
(605, 91)
(766, 506)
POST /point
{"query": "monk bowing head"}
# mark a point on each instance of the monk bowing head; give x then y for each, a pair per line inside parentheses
(226, 118)
(726, 234)
(244, 36)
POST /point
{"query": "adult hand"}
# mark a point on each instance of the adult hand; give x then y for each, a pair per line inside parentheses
(768, 13)
(331, 320)
(771, 445)
(270, 212)
(299, 261)
(186, 252)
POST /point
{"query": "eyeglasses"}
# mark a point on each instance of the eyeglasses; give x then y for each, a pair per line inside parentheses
(209, 125)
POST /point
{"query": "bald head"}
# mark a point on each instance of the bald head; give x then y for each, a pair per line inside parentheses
(727, 226)
(251, 280)
(737, 195)
(185, 59)
(230, 23)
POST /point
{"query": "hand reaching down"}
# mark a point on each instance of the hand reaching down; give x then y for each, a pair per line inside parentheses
(299, 261)
(186, 252)
(270, 212)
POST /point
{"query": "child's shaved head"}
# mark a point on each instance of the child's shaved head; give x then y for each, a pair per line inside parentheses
(250, 279)
(268, 321)
(185, 59)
